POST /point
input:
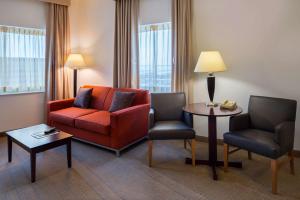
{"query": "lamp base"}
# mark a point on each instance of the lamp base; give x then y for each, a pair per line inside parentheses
(212, 104)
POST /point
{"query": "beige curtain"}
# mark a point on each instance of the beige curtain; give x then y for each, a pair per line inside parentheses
(181, 45)
(126, 44)
(58, 77)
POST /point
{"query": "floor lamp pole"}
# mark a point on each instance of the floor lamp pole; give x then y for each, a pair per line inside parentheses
(75, 82)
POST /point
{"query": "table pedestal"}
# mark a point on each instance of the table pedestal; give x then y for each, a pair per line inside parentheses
(212, 143)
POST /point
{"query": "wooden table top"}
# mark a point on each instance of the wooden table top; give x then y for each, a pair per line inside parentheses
(25, 137)
(203, 110)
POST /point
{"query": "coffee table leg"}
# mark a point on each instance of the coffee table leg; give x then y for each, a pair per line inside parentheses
(69, 153)
(33, 166)
(9, 148)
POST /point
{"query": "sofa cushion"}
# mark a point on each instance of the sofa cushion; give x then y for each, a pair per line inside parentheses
(141, 97)
(254, 140)
(171, 130)
(99, 95)
(98, 122)
(67, 116)
(83, 97)
(121, 100)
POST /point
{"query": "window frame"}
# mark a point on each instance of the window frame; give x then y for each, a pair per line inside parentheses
(31, 32)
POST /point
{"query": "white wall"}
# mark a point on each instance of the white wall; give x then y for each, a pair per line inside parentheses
(27, 109)
(92, 28)
(259, 41)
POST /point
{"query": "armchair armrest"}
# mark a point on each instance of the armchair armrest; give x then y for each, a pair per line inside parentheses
(128, 125)
(284, 135)
(60, 104)
(188, 119)
(151, 118)
(239, 122)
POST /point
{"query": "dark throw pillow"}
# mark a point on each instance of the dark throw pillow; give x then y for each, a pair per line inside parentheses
(83, 98)
(121, 100)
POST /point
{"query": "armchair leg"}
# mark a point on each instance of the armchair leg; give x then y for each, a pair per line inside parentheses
(249, 155)
(193, 152)
(150, 144)
(185, 144)
(274, 168)
(291, 158)
(226, 149)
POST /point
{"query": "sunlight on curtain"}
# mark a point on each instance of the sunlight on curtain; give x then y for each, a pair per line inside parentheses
(155, 57)
(22, 60)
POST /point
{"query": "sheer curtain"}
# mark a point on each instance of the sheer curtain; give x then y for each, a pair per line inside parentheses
(155, 57)
(22, 60)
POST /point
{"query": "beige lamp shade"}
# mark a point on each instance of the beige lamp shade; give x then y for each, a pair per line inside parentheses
(75, 61)
(210, 61)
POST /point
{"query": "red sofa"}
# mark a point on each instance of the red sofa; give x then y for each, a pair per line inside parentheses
(114, 131)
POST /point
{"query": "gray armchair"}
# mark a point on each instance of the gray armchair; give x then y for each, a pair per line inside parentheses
(168, 121)
(267, 129)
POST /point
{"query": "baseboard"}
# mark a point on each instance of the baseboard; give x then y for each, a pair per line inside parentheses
(220, 142)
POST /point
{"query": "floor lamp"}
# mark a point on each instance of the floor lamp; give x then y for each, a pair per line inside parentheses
(210, 62)
(75, 62)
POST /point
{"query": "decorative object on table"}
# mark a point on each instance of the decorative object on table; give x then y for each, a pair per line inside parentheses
(121, 100)
(83, 98)
(268, 129)
(210, 62)
(169, 122)
(75, 61)
(33, 145)
(211, 113)
(228, 105)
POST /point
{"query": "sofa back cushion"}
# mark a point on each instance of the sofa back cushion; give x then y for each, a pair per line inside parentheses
(99, 95)
(141, 96)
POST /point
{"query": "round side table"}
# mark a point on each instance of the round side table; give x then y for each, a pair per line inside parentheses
(201, 109)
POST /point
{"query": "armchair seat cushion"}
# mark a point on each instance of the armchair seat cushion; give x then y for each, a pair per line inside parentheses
(167, 130)
(254, 140)
(67, 116)
(98, 122)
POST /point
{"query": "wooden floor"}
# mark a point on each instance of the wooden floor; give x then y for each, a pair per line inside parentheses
(98, 174)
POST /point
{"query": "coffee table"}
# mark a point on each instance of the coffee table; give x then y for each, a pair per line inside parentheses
(33, 141)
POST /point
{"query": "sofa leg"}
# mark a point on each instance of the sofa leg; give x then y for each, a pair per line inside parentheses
(291, 158)
(249, 155)
(226, 150)
(274, 168)
(150, 145)
(117, 153)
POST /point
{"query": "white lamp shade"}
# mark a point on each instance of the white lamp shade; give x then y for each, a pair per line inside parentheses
(75, 61)
(210, 61)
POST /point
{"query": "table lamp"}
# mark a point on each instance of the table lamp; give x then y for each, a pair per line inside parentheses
(75, 61)
(210, 62)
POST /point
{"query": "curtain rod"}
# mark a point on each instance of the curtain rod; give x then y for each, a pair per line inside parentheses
(60, 2)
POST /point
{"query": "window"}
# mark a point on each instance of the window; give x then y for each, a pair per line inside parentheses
(22, 60)
(155, 56)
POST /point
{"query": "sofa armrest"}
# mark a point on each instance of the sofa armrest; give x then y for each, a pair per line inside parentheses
(128, 125)
(151, 118)
(239, 122)
(60, 104)
(284, 135)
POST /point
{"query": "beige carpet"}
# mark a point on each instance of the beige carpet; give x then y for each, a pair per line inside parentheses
(98, 174)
